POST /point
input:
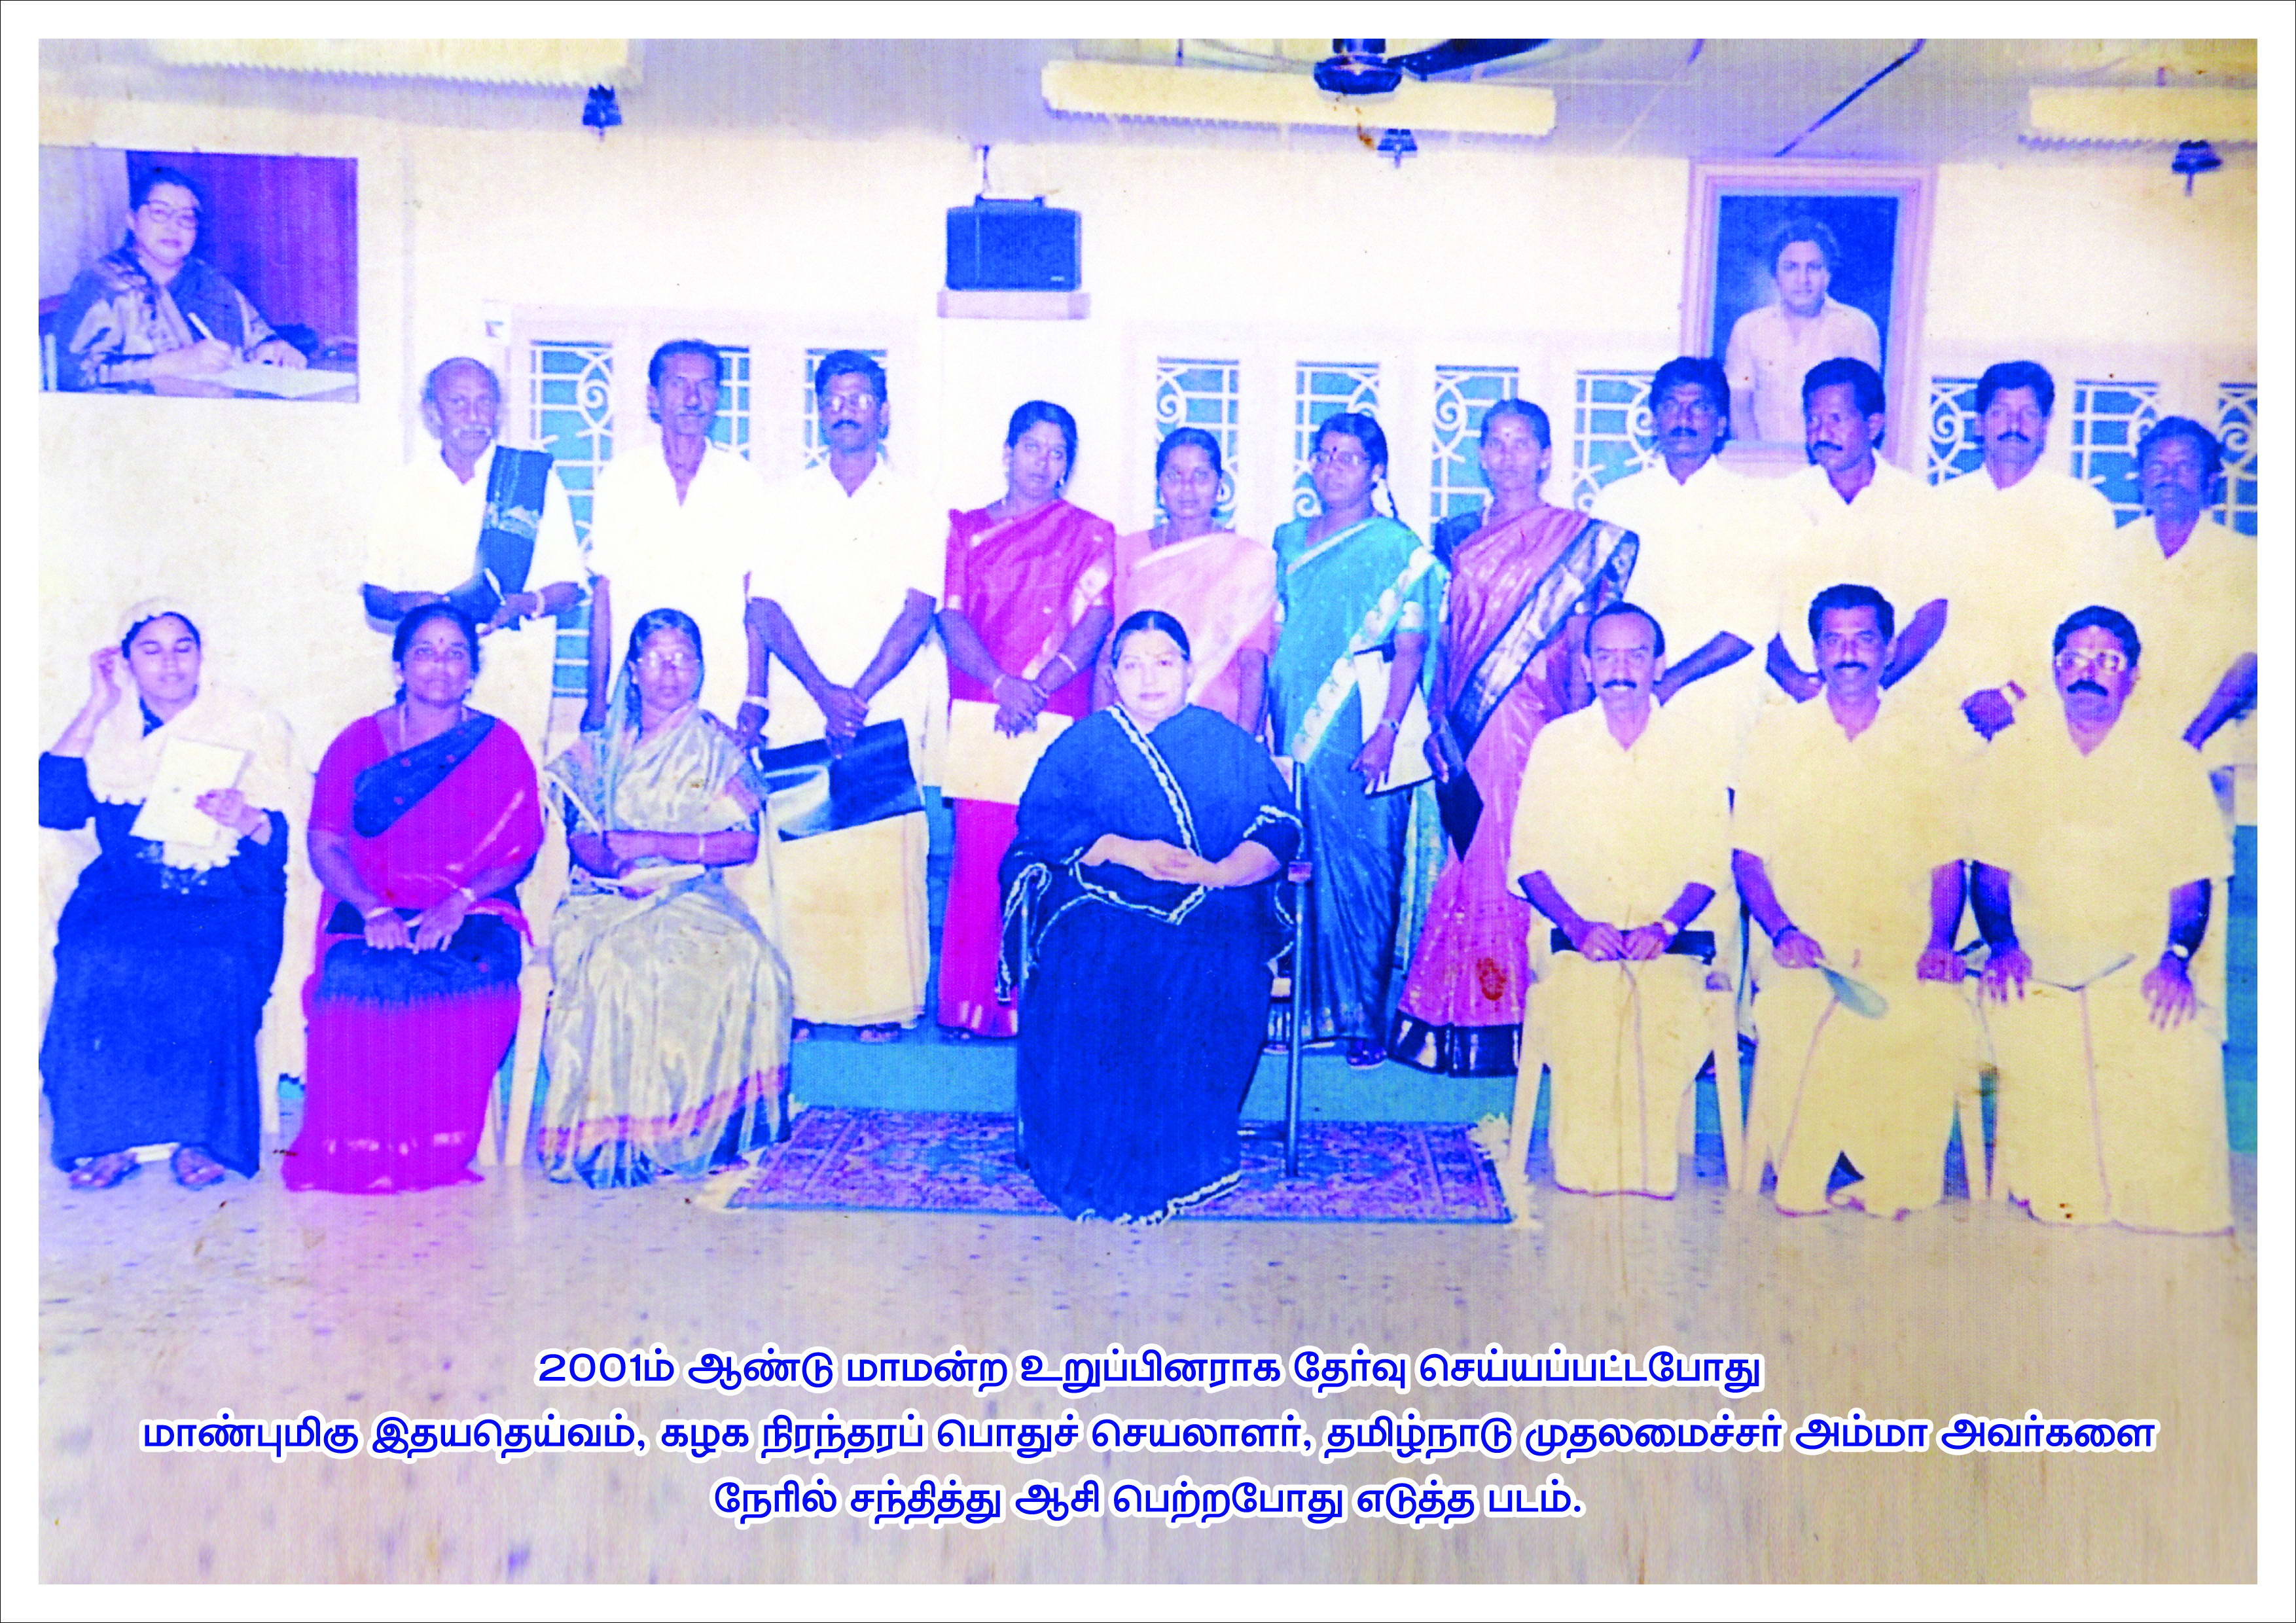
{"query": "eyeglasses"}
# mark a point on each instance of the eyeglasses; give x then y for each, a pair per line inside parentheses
(2104, 662)
(1326, 457)
(668, 661)
(160, 214)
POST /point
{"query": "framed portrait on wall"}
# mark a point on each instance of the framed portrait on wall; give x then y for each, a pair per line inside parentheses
(1792, 263)
(223, 274)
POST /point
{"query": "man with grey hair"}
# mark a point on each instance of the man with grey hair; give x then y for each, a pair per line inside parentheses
(486, 527)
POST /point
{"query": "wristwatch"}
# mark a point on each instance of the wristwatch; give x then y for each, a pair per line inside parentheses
(2182, 952)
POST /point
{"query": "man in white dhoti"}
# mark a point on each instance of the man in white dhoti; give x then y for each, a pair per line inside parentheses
(1848, 856)
(847, 573)
(1620, 839)
(675, 526)
(1867, 520)
(487, 525)
(2028, 545)
(2098, 851)
(1711, 543)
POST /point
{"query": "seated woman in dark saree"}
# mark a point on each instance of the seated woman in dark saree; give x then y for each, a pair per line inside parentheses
(1140, 925)
(667, 1044)
(425, 817)
(165, 952)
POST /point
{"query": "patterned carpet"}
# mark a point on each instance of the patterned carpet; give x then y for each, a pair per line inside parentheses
(853, 1160)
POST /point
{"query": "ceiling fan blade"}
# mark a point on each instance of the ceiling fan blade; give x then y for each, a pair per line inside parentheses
(1449, 55)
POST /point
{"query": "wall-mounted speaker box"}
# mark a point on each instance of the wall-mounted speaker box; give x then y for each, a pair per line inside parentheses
(1015, 243)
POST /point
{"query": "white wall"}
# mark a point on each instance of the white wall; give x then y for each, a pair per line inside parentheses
(257, 509)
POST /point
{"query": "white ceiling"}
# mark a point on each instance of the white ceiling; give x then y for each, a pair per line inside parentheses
(1957, 101)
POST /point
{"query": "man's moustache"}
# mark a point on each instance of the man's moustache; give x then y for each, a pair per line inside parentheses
(1846, 665)
(2014, 434)
(1824, 444)
(1617, 682)
(2085, 686)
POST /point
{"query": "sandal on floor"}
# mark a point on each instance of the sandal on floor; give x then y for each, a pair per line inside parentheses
(195, 1169)
(1364, 1054)
(957, 1034)
(887, 1032)
(104, 1171)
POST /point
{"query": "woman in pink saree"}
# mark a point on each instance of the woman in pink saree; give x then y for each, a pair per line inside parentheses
(1522, 587)
(426, 817)
(1024, 609)
(1220, 584)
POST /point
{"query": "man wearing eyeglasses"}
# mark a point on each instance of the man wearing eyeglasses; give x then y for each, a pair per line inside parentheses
(1847, 856)
(848, 569)
(2098, 852)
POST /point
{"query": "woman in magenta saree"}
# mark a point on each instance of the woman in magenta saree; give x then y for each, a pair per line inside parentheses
(1024, 609)
(1521, 586)
(425, 817)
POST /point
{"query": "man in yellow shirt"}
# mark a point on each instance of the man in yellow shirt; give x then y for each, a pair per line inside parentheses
(1846, 854)
(2029, 545)
(2191, 583)
(2093, 840)
(1620, 839)
(1711, 540)
(1866, 520)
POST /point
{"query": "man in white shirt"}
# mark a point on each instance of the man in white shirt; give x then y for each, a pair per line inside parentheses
(1868, 521)
(1622, 840)
(1773, 348)
(1709, 543)
(2029, 545)
(2190, 585)
(847, 573)
(425, 543)
(676, 527)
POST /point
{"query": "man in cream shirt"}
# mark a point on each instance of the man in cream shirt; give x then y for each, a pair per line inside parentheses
(2099, 861)
(675, 526)
(425, 544)
(1711, 541)
(2030, 545)
(1847, 854)
(846, 576)
(2191, 584)
(1866, 522)
(1622, 840)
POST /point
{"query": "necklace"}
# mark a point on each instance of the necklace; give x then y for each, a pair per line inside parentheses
(398, 716)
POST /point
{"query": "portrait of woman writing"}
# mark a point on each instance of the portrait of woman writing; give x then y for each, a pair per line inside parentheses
(1142, 923)
(152, 311)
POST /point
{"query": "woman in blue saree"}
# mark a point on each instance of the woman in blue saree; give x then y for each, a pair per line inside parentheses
(1350, 582)
(667, 1042)
(1140, 925)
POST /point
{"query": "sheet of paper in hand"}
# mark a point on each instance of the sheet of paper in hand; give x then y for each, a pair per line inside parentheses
(187, 770)
(1409, 764)
(983, 763)
(812, 792)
